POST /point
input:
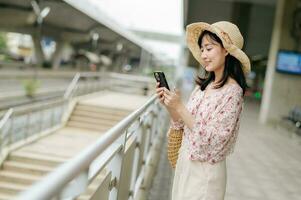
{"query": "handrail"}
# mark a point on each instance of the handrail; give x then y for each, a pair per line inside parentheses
(54, 183)
(131, 77)
(6, 117)
(36, 107)
(72, 85)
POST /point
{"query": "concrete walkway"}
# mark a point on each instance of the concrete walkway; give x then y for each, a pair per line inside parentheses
(266, 164)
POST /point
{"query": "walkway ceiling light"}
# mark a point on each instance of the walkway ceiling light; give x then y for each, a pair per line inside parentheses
(119, 46)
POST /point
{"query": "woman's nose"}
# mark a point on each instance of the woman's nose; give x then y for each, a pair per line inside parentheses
(203, 55)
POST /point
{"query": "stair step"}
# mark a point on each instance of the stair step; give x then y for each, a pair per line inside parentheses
(98, 126)
(55, 151)
(93, 120)
(87, 126)
(10, 188)
(96, 115)
(18, 178)
(26, 168)
(106, 110)
(5, 196)
(83, 197)
(44, 160)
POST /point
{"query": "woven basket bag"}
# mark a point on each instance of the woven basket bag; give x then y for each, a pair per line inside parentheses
(174, 142)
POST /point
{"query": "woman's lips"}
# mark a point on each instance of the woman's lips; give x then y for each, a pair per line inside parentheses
(206, 64)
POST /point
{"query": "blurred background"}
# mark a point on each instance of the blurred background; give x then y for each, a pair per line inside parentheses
(56, 50)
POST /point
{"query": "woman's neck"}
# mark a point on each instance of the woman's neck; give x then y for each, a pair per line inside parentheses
(218, 74)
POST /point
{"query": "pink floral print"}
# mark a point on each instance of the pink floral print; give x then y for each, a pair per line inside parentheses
(217, 118)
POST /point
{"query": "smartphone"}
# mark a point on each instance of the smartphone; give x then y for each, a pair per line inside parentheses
(160, 77)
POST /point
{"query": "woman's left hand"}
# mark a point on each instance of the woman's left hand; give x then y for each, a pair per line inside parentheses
(172, 99)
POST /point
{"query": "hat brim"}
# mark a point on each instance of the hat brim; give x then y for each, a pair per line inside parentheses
(193, 32)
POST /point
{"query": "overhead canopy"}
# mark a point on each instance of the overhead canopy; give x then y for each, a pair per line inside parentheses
(68, 20)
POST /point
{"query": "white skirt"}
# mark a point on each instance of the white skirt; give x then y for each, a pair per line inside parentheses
(195, 180)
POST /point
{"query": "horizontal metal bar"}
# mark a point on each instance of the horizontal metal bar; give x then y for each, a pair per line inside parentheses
(91, 74)
(130, 77)
(37, 107)
(57, 180)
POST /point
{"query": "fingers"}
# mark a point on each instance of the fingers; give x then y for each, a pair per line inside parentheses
(163, 94)
(160, 95)
(157, 85)
(161, 99)
(166, 96)
(159, 90)
(166, 91)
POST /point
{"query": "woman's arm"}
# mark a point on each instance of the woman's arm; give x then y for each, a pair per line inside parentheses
(174, 105)
(185, 115)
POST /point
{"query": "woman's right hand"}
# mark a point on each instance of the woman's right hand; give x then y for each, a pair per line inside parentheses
(160, 93)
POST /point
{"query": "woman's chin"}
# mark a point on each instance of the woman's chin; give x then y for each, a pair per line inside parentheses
(208, 69)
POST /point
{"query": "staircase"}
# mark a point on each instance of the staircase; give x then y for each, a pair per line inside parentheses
(29, 164)
(95, 118)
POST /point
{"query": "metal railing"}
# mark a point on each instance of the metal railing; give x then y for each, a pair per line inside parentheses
(25, 121)
(125, 155)
(6, 117)
(22, 122)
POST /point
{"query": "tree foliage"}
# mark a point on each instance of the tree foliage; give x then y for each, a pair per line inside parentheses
(2, 41)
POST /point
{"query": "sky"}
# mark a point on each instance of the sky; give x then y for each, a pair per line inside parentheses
(156, 15)
(163, 16)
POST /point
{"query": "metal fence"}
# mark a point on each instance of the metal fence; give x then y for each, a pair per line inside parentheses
(124, 156)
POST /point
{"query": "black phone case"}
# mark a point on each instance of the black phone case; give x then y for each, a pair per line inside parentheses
(160, 77)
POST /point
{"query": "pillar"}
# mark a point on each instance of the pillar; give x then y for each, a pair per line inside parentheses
(281, 91)
(38, 49)
(57, 56)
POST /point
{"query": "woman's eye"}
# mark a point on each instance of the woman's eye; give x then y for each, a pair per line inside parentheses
(209, 49)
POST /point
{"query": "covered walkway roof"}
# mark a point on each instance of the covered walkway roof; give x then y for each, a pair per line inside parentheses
(69, 20)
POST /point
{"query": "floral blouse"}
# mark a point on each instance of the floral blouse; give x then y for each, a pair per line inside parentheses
(217, 118)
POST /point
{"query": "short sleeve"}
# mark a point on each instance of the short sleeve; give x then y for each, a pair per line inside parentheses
(209, 137)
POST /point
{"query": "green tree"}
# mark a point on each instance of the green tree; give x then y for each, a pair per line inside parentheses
(2, 41)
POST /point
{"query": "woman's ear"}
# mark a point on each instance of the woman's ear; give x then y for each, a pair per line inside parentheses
(226, 52)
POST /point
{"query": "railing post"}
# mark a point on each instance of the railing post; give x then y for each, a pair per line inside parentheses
(3, 122)
(52, 117)
(11, 131)
(1, 139)
(41, 119)
(135, 172)
(26, 126)
(115, 166)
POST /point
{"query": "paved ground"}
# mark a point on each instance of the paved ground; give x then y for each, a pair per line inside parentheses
(161, 189)
(266, 164)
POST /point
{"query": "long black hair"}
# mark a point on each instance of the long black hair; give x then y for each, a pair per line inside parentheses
(233, 68)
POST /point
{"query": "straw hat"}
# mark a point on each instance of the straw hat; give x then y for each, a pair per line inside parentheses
(228, 33)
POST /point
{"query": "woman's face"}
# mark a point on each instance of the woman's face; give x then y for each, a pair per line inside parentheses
(213, 55)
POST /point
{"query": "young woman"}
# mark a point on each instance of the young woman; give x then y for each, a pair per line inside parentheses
(211, 118)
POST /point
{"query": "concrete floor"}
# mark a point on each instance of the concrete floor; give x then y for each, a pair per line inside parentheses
(266, 164)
